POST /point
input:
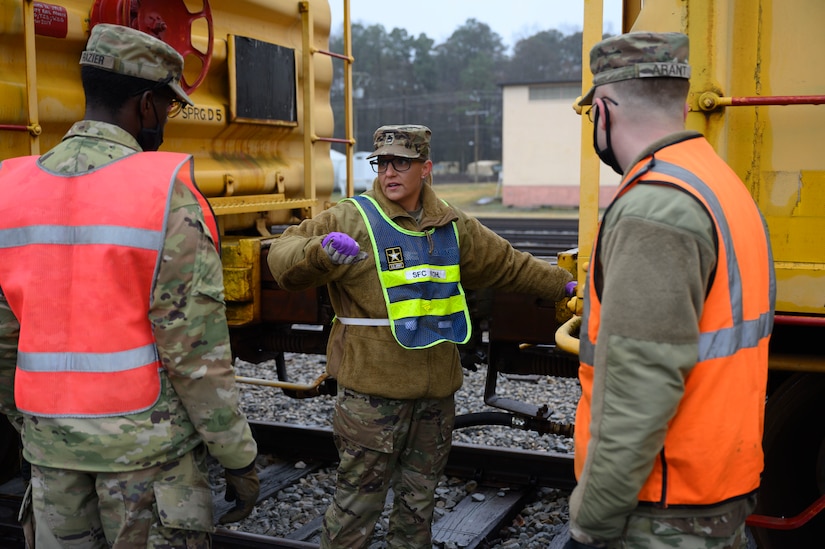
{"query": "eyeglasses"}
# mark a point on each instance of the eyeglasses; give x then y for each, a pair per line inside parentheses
(589, 112)
(160, 89)
(174, 108)
(399, 164)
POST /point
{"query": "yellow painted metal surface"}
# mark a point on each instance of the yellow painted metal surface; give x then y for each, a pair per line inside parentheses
(756, 94)
(590, 165)
(566, 308)
(759, 48)
(242, 279)
(232, 158)
(255, 173)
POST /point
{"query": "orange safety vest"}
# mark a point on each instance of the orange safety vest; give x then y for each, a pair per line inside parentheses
(78, 260)
(713, 446)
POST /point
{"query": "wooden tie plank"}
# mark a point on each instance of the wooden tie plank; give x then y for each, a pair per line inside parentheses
(473, 519)
(309, 531)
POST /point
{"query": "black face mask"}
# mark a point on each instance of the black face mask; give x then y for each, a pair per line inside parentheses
(606, 154)
(150, 139)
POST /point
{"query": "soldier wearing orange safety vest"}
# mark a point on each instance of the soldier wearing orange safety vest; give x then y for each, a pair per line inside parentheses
(115, 364)
(115, 243)
(678, 311)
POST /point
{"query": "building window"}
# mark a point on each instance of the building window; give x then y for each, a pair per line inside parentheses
(562, 91)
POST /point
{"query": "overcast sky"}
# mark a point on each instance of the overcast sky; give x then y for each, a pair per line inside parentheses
(510, 19)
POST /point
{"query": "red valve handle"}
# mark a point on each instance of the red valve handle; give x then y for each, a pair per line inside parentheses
(168, 20)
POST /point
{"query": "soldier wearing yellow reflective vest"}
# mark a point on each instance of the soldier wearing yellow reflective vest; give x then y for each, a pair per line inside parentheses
(396, 261)
(420, 278)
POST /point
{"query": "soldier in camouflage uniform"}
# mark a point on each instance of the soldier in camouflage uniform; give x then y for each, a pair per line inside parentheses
(136, 479)
(400, 312)
(678, 309)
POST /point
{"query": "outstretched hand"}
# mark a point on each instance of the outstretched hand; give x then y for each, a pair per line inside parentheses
(342, 249)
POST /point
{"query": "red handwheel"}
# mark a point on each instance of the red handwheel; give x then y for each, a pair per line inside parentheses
(168, 20)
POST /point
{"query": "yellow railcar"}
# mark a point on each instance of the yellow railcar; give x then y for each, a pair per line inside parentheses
(261, 126)
(259, 73)
(260, 76)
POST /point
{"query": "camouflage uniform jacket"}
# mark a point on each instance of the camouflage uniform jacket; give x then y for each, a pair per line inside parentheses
(368, 359)
(199, 399)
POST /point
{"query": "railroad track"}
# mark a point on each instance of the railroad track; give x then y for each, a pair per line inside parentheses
(542, 237)
(506, 479)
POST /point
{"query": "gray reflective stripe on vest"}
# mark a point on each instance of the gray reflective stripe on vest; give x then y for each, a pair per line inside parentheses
(743, 334)
(350, 321)
(87, 362)
(587, 351)
(79, 235)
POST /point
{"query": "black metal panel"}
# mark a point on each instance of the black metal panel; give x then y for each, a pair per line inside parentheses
(264, 82)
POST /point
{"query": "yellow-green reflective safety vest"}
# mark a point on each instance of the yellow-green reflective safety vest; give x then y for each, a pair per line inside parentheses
(420, 279)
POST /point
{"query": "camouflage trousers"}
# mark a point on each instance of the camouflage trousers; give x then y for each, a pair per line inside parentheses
(167, 506)
(724, 530)
(382, 444)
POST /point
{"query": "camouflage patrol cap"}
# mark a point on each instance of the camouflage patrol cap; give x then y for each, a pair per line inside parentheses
(638, 55)
(408, 141)
(131, 52)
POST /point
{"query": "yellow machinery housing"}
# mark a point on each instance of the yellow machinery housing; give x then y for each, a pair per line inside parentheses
(260, 128)
(260, 134)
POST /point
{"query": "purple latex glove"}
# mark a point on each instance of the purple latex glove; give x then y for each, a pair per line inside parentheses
(570, 288)
(341, 248)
